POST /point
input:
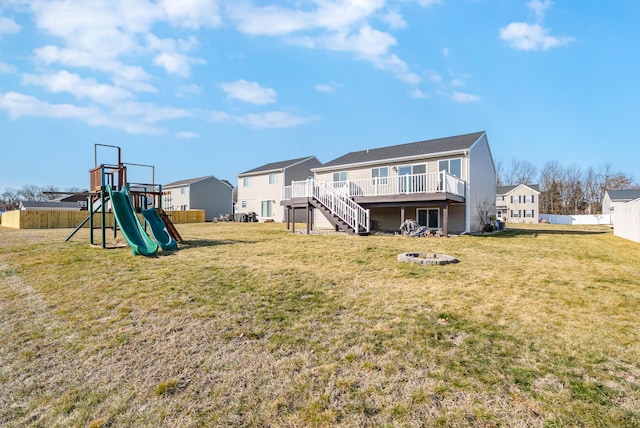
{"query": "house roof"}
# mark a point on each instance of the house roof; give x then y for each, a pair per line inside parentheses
(419, 148)
(276, 166)
(503, 190)
(186, 182)
(228, 183)
(49, 204)
(624, 194)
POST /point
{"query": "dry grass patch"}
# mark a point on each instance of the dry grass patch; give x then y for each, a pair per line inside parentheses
(248, 325)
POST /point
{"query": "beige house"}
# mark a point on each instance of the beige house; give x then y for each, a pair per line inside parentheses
(518, 204)
(441, 183)
(260, 189)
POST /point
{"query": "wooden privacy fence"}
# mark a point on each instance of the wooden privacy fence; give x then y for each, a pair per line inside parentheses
(51, 219)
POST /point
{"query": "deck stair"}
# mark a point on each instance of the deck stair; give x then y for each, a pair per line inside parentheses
(341, 211)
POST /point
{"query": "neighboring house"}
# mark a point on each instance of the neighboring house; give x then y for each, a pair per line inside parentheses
(208, 193)
(518, 204)
(260, 189)
(628, 220)
(614, 197)
(443, 184)
(50, 206)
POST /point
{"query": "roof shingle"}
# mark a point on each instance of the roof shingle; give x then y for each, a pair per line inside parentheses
(427, 147)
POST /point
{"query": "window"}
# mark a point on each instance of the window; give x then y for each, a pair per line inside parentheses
(528, 213)
(515, 213)
(246, 182)
(243, 204)
(379, 175)
(429, 217)
(183, 190)
(411, 178)
(273, 178)
(452, 166)
(340, 176)
(267, 209)
(183, 207)
(527, 199)
(515, 199)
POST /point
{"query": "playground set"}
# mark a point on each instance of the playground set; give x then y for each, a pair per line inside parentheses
(109, 188)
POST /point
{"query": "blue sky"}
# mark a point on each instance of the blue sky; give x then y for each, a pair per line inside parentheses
(197, 87)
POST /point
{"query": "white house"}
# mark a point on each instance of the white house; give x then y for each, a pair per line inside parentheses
(260, 189)
(442, 183)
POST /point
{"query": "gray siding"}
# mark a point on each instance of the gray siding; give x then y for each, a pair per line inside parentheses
(481, 184)
(301, 171)
(213, 196)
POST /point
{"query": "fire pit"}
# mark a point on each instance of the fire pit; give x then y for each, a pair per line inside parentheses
(426, 258)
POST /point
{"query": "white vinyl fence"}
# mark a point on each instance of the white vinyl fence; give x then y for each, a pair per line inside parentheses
(628, 220)
(576, 219)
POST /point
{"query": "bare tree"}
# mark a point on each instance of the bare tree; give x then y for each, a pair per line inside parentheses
(518, 172)
(500, 176)
(487, 212)
(551, 178)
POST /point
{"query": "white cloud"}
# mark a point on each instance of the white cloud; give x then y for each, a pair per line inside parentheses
(523, 36)
(175, 63)
(335, 25)
(268, 120)
(7, 68)
(465, 98)
(186, 135)
(418, 94)
(445, 52)
(130, 117)
(398, 68)
(539, 7)
(172, 56)
(427, 3)
(250, 92)
(336, 15)
(188, 90)
(456, 83)
(394, 19)
(63, 81)
(434, 76)
(192, 13)
(327, 89)
(8, 26)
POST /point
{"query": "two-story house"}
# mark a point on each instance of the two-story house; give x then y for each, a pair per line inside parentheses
(518, 204)
(441, 183)
(260, 189)
(208, 193)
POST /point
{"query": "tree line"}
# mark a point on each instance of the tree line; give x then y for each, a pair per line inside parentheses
(568, 190)
(10, 198)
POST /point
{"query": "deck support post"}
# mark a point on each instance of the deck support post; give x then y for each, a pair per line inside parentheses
(445, 219)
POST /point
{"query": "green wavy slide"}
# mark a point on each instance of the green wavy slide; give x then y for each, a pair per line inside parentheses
(130, 225)
(159, 230)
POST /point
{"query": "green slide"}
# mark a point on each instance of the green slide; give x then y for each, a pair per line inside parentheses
(159, 229)
(127, 219)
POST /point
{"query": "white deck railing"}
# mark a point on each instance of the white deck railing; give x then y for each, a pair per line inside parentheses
(437, 182)
(337, 202)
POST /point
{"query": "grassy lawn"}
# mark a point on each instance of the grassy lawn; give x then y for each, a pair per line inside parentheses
(248, 325)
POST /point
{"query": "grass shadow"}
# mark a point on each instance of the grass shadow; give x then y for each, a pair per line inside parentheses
(196, 243)
(514, 233)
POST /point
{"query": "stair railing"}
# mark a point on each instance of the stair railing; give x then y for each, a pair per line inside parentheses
(340, 205)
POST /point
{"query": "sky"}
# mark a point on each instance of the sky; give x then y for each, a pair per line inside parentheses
(214, 87)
